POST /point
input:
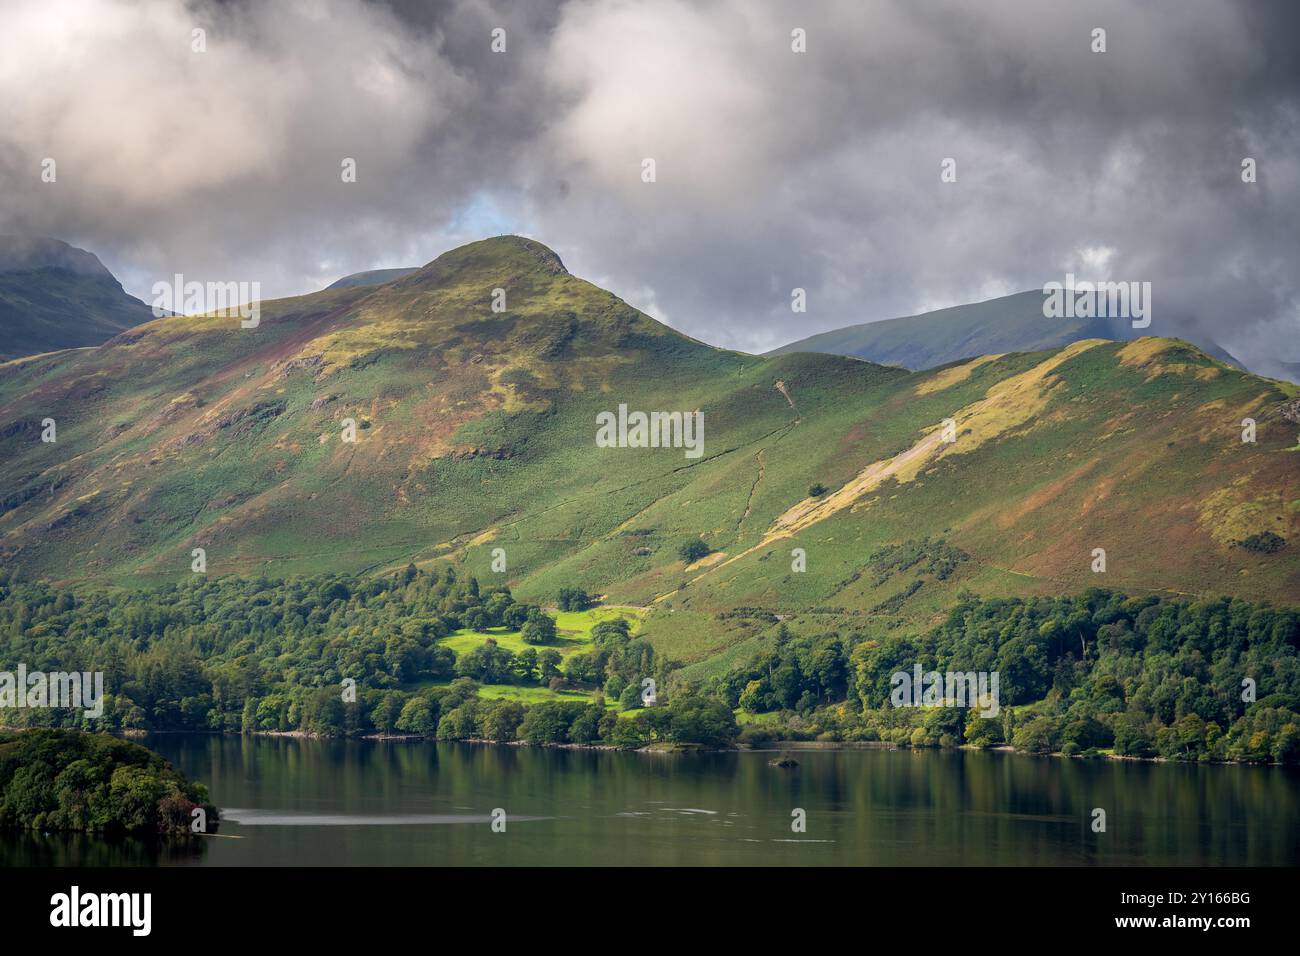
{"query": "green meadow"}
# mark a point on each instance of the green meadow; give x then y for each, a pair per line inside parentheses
(533, 695)
(573, 632)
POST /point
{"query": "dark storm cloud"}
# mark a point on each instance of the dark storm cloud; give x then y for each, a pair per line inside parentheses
(775, 170)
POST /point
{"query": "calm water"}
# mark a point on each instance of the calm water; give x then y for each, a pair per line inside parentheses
(309, 802)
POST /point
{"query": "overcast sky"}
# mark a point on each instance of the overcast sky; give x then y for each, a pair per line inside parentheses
(775, 169)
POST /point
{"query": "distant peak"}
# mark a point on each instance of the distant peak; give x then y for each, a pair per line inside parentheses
(25, 253)
(372, 277)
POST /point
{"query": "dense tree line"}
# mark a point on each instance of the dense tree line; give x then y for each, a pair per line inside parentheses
(1149, 676)
(53, 779)
(1211, 680)
(240, 655)
(457, 712)
(231, 653)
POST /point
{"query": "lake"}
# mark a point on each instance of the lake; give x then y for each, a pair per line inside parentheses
(289, 801)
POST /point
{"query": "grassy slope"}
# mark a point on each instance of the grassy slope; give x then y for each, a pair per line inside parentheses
(192, 432)
(1135, 449)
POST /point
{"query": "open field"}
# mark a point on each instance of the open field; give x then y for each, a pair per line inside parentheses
(573, 632)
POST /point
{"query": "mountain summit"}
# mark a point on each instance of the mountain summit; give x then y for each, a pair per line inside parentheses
(499, 256)
(56, 296)
(30, 253)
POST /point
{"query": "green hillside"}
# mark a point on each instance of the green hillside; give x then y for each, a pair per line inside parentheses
(475, 430)
(1012, 323)
(55, 296)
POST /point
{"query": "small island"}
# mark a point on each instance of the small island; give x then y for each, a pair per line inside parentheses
(65, 780)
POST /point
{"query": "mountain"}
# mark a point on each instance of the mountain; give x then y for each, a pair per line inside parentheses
(476, 431)
(56, 296)
(373, 277)
(1012, 323)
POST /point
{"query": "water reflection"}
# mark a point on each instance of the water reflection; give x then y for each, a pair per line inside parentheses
(311, 802)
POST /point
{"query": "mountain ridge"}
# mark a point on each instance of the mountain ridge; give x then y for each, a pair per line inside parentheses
(474, 430)
(1007, 323)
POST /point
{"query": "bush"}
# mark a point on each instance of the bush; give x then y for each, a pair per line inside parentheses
(1132, 738)
(1034, 737)
(982, 732)
(693, 550)
(755, 735)
(817, 490)
(630, 699)
(1264, 542)
(574, 599)
(1086, 732)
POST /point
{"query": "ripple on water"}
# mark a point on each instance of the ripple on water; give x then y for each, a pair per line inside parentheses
(280, 818)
